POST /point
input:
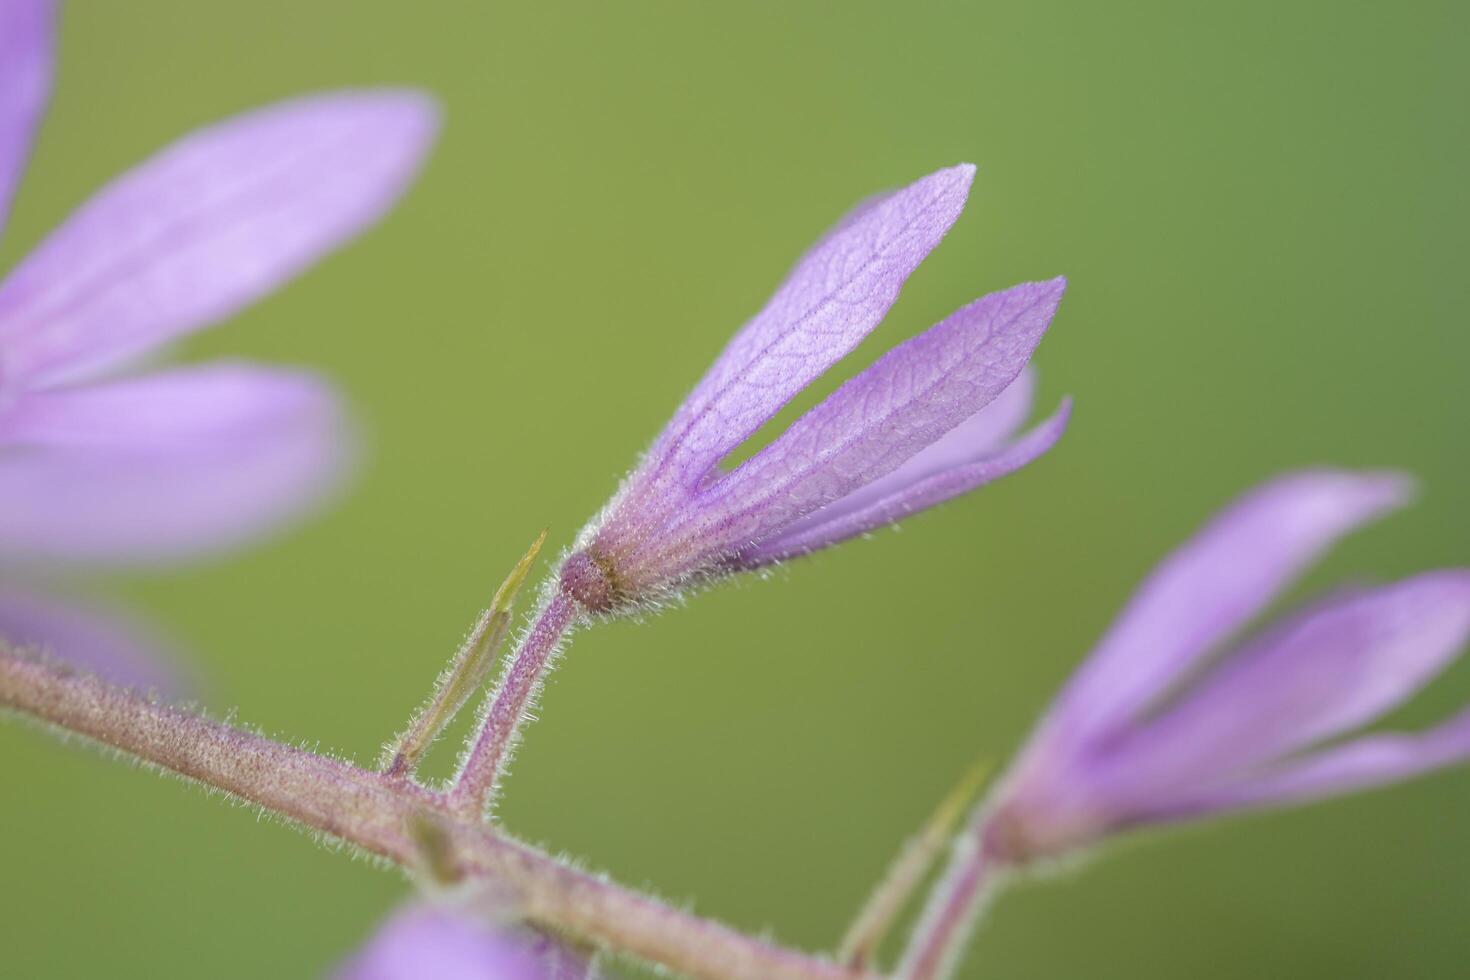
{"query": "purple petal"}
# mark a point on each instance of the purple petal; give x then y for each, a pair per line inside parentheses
(979, 436)
(935, 475)
(835, 296)
(26, 42)
(1373, 760)
(905, 402)
(169, 464)
(1323, 672)
(423, 941)
(212, 223)
(982, 434)
(108, 643)
(1213, 585)
(159, 411)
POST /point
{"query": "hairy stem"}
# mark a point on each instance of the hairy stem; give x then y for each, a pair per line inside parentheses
(906, 873)
(506, 711)
(379, 815)
(952, 909)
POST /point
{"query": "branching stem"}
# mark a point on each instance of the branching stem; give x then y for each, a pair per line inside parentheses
(464, 675)
(906, 873)
(378, 814)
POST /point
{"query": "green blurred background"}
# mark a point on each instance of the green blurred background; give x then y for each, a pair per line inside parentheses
(1263, 212)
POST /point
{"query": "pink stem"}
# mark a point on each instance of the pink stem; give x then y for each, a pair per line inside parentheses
(379, 815)
(507, 711)
(952, 910)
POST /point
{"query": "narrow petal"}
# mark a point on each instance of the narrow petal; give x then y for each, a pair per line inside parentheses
(1213, 585)
(982, 434)
(907, 401)
(835, 296)
(1373, 760)
(429, 941)
(978, 437)
(192, 406)
(108, 643)
(212, 223)
(1320, 674)
(931, 479)
(200, 459)
(26, 43)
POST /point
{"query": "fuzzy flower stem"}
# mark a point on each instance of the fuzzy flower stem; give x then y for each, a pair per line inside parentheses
(378, 814)
(907, 873)
(506, 712)
(950, 915)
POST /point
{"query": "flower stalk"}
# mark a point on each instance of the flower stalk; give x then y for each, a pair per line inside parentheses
(474, 788)
(378, 815)
(906, 873)
(953, 908)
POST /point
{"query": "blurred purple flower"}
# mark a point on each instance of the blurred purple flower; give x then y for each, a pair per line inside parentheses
(932, 419)
(100, 469)
(449, 943)
(1159, 725)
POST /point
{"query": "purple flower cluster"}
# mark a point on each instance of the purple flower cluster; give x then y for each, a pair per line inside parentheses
(1185, 708)
(1169, 720)
(932, 419)
(99, 467)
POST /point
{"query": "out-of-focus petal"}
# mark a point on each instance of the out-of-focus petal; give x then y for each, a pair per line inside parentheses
(26, 43)
(908, 400)
(424, 941)
(105, 642)
(215, 221)
(1363, 763)
(557, 959)
(189, 406)
(200, 459)
(931, 479)
(1213, 585)
(835, 296)
(1323, 672)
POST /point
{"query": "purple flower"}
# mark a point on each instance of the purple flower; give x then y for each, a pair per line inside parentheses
(1161, 724)
(451, 943)
(932, 419)
(99, 468)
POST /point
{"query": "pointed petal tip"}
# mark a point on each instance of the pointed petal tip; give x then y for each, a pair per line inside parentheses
(411, 105)
(411, 114)
(1063, 414)
(1372, 492)
(1042, 297)
(1393, 487)
(956, 180)
(1047, 433)
(1048, 292)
